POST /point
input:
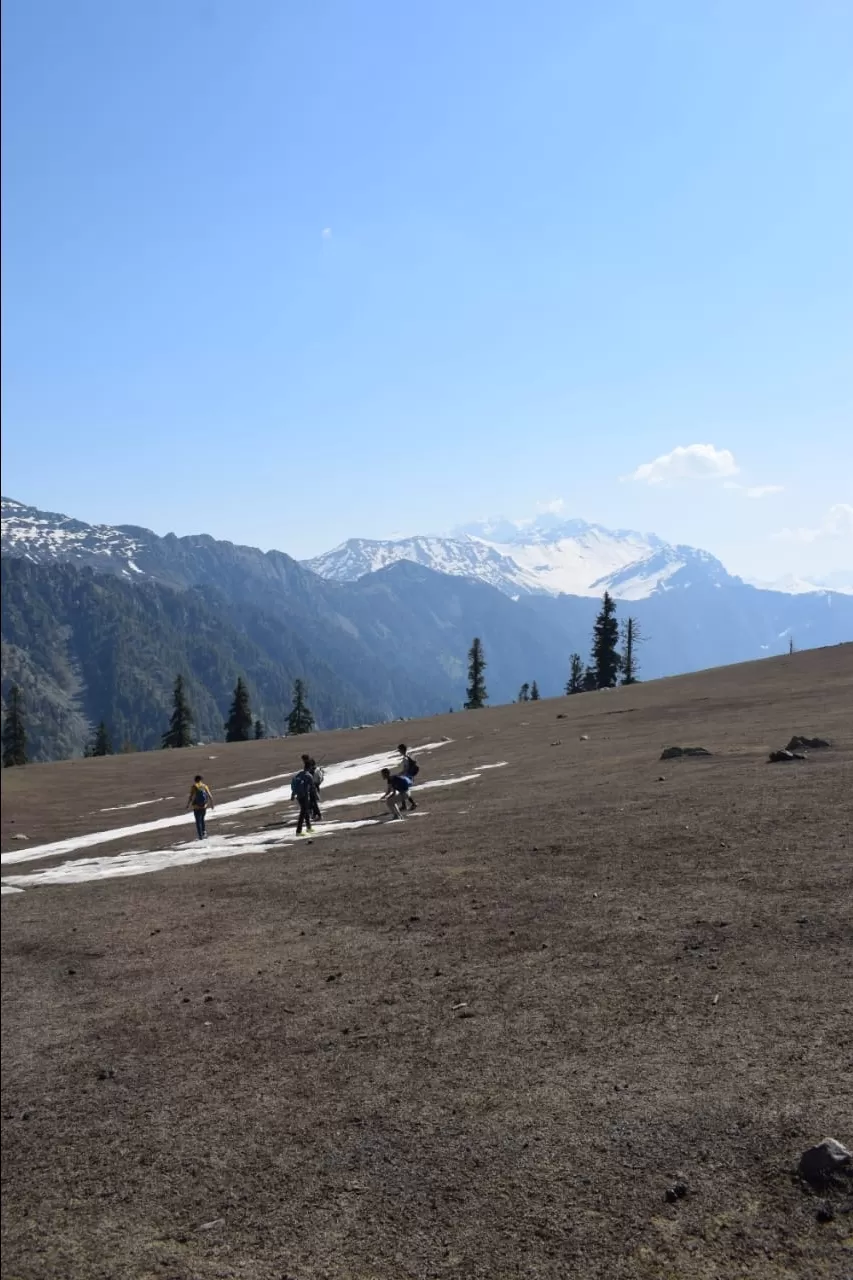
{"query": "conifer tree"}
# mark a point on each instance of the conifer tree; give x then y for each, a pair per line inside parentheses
(534, 692)
(14, 733)
(477, 695)
(590, 684)
(576, 674)
(101, 744)
(301, 718)
(630, 639)
(605, 656)
(238, 726)
(524, 693)
(179, 733)
(260, 731)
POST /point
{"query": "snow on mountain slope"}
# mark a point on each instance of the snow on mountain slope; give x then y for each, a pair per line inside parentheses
(791, 585)
(547, 556)
(463, 557)
(46, 535)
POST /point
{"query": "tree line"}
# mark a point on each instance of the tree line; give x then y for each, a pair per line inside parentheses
(239, 727)
(608, 664)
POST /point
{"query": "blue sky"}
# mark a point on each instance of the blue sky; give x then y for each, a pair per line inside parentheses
(288, 273)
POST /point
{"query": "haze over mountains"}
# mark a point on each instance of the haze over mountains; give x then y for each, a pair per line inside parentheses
(97, 620)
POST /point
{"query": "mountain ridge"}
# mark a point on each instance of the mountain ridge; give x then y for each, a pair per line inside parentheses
(98, 610)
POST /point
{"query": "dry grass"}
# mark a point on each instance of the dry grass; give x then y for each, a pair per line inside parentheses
(483, 1043)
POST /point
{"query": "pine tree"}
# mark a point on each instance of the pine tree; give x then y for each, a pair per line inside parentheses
(605, 657)
(260, 731)
(238, 726)
(534, 692)
(576, 674)
(14, 733)
(477, 695)
(630, 639)
(590, 684)
(179, 733)
(524, 693)
(101, 744)
(301, 718)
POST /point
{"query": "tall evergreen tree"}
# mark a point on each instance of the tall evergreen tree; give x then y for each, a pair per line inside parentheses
(534, 692)
(524, 693)
(590, 684)
(260, 731)
(101, 744)
(576, 673)
(179, 733)
(238, 726)
(14, 733)
(605, 635)
(301, 718)
(477, 695)
(630, 639)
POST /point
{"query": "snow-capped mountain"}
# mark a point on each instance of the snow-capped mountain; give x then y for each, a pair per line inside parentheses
(790, 585)
(42, 536)
(546, 556)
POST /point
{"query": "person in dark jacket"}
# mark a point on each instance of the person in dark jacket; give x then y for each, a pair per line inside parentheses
(398, 789)
(410, 769)
(309, 763)
(304, 789)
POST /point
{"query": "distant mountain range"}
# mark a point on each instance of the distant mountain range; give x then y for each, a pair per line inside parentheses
(553, 556)
(97, 620)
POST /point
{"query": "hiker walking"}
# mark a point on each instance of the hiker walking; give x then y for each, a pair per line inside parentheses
(309, 763)
(200, 800)
(397, 791)
(410, 769)
(304, 789)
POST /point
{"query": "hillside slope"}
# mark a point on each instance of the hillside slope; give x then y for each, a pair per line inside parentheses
(486, 1041)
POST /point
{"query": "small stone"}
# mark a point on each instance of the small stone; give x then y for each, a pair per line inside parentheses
(825, 1212)
(584, 737)
(207, 999)
(821, 1162)
(19, 835)
(72, 971)
(676, 1192)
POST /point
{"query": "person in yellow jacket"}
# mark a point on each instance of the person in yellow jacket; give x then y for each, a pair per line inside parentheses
(200, 800)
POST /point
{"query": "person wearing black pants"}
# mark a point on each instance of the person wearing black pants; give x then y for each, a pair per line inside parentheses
(305, 790)
(309, 765)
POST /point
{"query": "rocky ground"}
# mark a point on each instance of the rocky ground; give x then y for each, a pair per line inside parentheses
(579, 1018)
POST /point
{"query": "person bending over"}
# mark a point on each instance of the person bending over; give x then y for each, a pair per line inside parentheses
(398, 789)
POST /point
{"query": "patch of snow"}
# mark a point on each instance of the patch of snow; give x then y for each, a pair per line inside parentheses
(137, 804)
(191, 852)
(336, 775)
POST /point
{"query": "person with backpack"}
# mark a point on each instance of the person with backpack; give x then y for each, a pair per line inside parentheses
(398, 790)
(409, 769)
(200, 800)
(303, 788)
(309, 763)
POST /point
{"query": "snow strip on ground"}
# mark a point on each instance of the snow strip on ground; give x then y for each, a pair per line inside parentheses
(336, 775)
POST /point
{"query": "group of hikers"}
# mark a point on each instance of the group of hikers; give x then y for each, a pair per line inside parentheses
(305, 790)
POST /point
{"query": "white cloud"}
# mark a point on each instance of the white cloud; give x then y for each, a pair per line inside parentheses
(553, 508)
(326, 233)
(688, 462)
(754, 490)
(837, 524)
